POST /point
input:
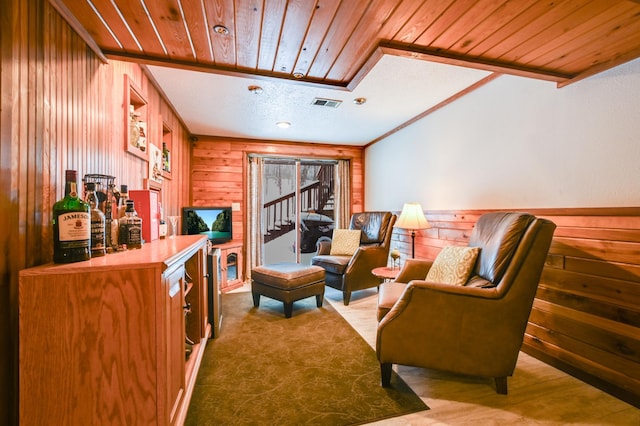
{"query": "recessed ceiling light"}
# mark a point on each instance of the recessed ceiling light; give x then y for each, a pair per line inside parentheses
(298, 75)
(359, 101)
(256, 90)
(221, 29)
(283, 124)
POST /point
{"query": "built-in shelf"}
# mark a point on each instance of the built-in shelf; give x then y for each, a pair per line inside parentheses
(167, 143)
(136, 120)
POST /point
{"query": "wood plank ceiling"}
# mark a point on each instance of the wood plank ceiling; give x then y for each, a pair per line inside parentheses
(335, 42)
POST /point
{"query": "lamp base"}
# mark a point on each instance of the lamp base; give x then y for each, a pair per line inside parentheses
(413, 244)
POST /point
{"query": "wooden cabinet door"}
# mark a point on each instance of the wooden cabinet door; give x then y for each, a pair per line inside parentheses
(231, 266)
(175, 341)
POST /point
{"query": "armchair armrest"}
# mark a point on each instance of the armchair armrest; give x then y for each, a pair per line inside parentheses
(414, 269)
(357, 275)
(323, 246)
(365, 259)
(414, 304)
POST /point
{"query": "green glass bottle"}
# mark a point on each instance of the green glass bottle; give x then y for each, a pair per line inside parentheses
(71, 224)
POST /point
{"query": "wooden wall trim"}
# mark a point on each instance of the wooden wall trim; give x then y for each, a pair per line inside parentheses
(586, 316)
(437, 107)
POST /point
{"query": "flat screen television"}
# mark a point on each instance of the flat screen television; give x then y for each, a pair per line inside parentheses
(214, 222)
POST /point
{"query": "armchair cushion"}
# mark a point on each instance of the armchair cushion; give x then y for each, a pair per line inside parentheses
(345, 242)
(498, 234)
(332, 264)
(374, 226)
(453, 265)
(388, 295)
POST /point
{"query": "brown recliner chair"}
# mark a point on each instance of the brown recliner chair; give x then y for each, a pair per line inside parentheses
(351, 273)
(476, 329)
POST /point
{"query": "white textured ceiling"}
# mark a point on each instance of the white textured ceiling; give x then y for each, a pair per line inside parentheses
(397, 89)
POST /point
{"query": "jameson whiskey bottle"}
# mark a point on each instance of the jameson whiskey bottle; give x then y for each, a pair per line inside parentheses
(71, 224)
(98, 247)
(130, 233)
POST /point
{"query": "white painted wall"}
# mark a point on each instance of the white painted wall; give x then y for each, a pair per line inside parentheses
(517, 143)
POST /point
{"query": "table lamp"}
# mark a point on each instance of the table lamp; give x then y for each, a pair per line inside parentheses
(412, 217)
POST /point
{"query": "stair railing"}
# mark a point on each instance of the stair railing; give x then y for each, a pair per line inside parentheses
(280, 213)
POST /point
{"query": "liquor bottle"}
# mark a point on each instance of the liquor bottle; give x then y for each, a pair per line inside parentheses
(98, 220)
(112, 232)
(165, 157)
(71, 224)
(162, 229)
(130, 232)
(122, 200)
(115, 229)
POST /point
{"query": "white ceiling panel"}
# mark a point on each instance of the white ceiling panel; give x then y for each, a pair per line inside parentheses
(397, 89)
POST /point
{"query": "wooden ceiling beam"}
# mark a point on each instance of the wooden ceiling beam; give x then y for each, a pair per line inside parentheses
(416, 52)
(216, 69)
(601, 67)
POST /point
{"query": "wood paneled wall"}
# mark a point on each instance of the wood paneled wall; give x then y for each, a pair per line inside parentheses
(61, 107)
(586, 315)
(219, 171)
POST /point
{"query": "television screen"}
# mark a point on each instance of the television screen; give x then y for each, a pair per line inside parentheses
(214, 222)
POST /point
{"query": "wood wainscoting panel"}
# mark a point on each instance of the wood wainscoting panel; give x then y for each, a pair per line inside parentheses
(586, 316)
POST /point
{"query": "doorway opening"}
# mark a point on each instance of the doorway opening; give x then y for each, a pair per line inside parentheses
(298, 207)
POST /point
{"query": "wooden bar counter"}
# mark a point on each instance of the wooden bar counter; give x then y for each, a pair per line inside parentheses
(103, 341)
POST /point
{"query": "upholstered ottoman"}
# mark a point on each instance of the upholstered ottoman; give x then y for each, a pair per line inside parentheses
(287, 283)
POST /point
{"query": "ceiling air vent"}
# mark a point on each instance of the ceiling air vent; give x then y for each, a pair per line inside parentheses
(331, 103)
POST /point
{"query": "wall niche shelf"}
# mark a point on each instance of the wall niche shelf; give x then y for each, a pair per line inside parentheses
(136, 120)
(167, 142)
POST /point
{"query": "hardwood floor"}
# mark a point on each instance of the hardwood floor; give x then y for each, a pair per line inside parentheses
(538, 393)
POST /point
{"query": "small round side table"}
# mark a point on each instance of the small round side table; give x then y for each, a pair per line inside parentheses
(386, 273)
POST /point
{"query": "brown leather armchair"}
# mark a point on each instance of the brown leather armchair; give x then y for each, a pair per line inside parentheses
(476, 329)
(351, 273)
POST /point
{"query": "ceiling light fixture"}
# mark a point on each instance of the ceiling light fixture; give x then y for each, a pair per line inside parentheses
(359, 101)
(283, 124)
(256, 90)
(298, 75)
(221, 29)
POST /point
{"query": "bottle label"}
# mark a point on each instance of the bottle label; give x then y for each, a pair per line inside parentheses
(74, 226)
(97, 234)
(162, 232)
(130, 235)
(135, 235)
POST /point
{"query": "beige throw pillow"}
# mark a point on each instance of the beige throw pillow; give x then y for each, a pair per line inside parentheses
(345, 242)
(453, 265)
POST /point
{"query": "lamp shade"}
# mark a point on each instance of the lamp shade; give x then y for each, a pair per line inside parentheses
(412, 217)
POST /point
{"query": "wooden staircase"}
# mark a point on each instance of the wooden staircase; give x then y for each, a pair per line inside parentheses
(317, 196)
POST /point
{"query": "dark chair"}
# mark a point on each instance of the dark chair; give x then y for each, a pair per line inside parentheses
(475, 329)
(351, 273)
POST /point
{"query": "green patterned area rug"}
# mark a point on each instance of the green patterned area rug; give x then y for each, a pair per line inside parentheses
(313, 369)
